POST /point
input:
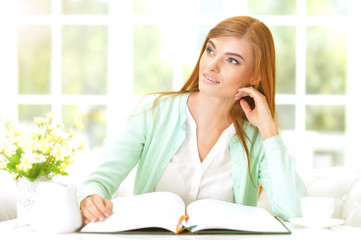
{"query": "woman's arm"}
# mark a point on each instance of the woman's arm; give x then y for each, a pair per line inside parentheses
(121, 155)
(277, 173)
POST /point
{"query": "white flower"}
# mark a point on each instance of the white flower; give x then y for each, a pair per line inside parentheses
(59, 152)
(10, 149)
(25, 162)
(38, 158)
(27, 144)
(39, 121)
(49, 117)
(60, 134)
(31, 157)
(15, 135)
(43, 146)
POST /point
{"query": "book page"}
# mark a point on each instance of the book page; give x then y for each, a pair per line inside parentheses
(215, 214)
(150, 210)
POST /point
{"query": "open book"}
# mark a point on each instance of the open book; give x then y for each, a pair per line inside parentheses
(166, 211)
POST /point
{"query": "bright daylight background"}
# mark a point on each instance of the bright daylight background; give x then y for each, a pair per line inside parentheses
(91, 59)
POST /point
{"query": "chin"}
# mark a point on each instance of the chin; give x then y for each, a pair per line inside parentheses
(209, 92)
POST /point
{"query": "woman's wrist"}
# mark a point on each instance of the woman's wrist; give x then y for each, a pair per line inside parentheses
(268, 130)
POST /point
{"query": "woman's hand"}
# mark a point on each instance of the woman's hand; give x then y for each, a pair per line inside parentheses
(95, 208)
(260, 116)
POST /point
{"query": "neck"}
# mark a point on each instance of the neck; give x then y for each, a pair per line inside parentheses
(210, 111)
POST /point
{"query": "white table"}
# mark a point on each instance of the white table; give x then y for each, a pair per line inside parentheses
(8, 231)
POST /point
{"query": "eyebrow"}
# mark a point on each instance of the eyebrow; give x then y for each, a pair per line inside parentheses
(227, 53)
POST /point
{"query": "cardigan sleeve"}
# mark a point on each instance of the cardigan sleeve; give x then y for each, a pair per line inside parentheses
(121, 155)
(278, 177)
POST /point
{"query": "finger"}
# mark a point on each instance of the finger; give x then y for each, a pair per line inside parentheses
(105, 206)
(258, 98)
(241, 94)
(245, 106)
(99, 204)
(91, 209)
(108, 208)
(248, 91)
(87, 216)
(238, 95)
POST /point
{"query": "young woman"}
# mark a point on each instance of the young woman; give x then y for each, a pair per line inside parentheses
(215, 138)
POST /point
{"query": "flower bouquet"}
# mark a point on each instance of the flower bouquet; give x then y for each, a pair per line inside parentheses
(47, 152)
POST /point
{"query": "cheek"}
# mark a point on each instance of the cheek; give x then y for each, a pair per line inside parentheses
(202, 62)
(239, 78)
(239, 81)
(244, 77)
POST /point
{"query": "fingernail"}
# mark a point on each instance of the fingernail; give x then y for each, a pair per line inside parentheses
(94, 219)
(107, 214)
(101, 219)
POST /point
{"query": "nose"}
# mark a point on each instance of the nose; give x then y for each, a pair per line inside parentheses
(214, 64)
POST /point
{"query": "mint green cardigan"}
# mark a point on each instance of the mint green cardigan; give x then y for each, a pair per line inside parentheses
(152, 137)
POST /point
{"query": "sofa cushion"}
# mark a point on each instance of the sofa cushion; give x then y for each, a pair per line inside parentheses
(335, 182)
(352, 207)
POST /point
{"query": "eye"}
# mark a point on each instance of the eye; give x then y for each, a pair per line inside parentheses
(232, 60)
(210, 50)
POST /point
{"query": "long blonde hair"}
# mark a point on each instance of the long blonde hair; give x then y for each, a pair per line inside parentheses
(264, 66)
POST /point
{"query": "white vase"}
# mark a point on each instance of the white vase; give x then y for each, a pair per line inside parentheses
(56, 209)
(25, 199)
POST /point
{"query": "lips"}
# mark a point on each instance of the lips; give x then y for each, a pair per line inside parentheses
(210, 79)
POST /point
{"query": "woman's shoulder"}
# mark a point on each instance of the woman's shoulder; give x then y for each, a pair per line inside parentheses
(151, 97)
(159, 101)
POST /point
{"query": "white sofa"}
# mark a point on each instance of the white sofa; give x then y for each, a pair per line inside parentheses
(341, 183)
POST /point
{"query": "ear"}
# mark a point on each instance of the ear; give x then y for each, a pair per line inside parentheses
(255, 82)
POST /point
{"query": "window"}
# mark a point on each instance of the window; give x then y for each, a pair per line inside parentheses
(91, 59)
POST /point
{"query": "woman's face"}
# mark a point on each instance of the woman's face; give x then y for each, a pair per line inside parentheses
(225, 66)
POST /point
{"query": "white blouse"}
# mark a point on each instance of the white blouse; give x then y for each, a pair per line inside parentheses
(191, 179)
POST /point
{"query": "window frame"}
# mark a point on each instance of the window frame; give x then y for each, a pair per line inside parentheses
(302, 143)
